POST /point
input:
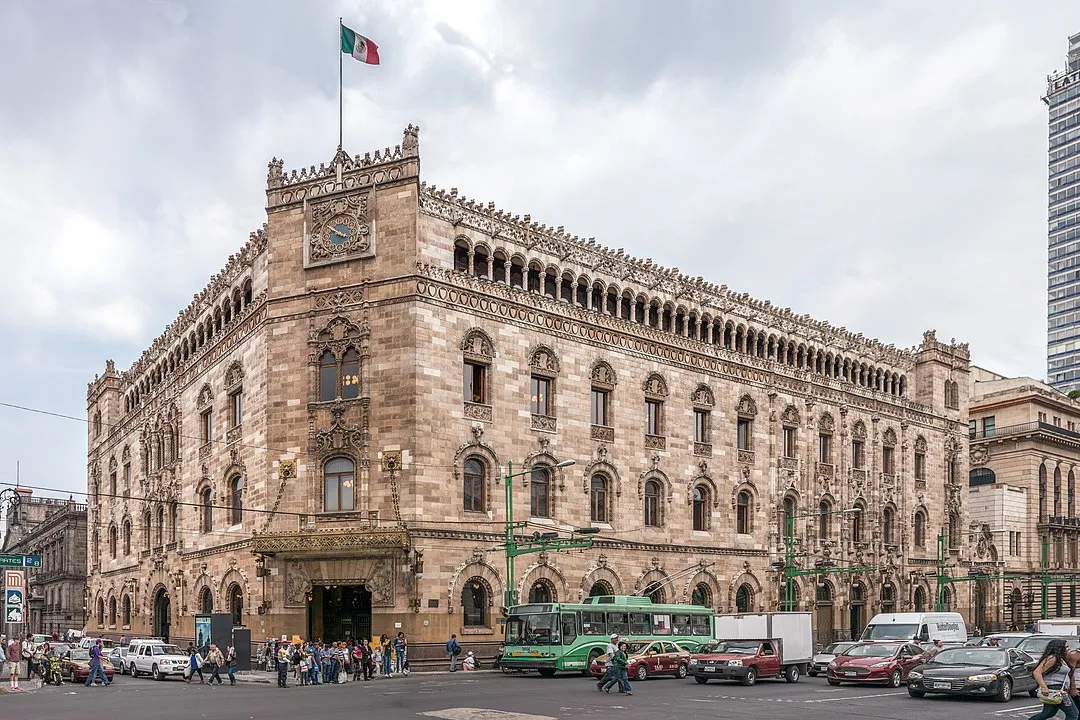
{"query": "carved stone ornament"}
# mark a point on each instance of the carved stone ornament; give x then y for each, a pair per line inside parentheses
(979, 455)
(888, 438)
(826, 424)
(206, 396)
(920, 444)
(477, 346)
(790, 416)
(234, 375)
(341, 228)
(543, 361)
(339, 436)
(747, 407)
(858, 430)
(702, 396)
(297, 585)
(602, 375)
(655, 386)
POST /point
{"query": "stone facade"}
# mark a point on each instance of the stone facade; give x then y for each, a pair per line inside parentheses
(55, 530)
(1025, 459)
(399, 347)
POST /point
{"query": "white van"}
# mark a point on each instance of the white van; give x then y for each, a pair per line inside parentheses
(916, 627)
(1059, 626)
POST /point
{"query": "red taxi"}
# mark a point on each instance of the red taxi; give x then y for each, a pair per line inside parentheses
(875, 662)
(659, 657)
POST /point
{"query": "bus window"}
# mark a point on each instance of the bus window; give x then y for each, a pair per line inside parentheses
(661, 624)
(699, 625)
(618, 623)
(569, 628)
(680, 624)
(640, 623)
(593, 623)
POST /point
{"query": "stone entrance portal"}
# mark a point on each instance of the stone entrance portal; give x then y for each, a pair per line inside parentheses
(339, 612)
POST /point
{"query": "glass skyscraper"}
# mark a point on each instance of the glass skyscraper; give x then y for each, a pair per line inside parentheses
(1063, 277)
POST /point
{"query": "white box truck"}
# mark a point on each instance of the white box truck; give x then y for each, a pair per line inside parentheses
(757, 645)
(1059, 626)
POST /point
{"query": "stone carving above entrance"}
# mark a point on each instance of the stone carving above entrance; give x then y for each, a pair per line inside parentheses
(376, 574)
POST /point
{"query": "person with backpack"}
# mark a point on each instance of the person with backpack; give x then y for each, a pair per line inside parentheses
(453, 649)
(230, 663)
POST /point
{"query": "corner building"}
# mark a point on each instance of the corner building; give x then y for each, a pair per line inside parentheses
(317, 443)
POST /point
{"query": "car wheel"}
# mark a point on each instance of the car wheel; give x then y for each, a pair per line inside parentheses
(157, 673)
(71, 677)
(642, 672)
(681, 672)
(134, 671)
(792, 674)
(834, 683)
(751, 677)
(916, 693)
(1004, 693)
(593, 654)
(894, 679)
(700, 680)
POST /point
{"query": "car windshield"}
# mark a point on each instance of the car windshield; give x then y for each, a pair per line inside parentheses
(889, 632)
(1035, 646)
(988, 657)
(80, 654)
(166, 650)
(540, 629)
(1007, 641)
(738, 648)
(837, 648)
(638, 648)
(871, 651)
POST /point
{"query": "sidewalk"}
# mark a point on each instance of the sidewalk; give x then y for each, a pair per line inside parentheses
(24, 686)
(262, 677)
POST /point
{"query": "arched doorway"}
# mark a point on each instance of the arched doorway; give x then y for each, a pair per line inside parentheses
(1016, 607)
(744, 599)
(702, 595)
(655, 592)
(345, 612)
(857, 609)
(600, 588)
(979, 614)
(541, 592)
(824, 615)
(236, 605)
(161, 614)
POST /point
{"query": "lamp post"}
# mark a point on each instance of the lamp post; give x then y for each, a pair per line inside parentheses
(513, 547)
(790, 571)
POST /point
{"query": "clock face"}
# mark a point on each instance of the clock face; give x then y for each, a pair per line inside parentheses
(339, 233)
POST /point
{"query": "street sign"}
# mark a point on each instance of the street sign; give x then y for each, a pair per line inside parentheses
(18, 561)
(13, 578)
(14, 598)
(13, 616)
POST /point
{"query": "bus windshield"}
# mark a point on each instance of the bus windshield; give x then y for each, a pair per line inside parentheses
(890, 632)
(542, 629)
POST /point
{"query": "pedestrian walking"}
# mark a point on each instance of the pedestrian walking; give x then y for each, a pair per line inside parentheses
(1054, 676)
(401, 649)
(282, 666)
(13, 654)
(609, 661)
(620, 662)
(215, 660)
(453, 649)
(195, 663)
(230, 663)
(95, 666)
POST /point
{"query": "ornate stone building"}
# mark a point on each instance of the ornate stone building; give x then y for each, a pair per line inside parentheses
(1025, 459)
(56, 530)
(317, 443)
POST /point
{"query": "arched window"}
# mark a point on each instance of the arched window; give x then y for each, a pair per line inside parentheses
(350, 374)
(174, 517)
(1057, 492)
(888, 598)
(101, 612)
(655, 592)
(127, 536)
(160, 526)
(701, 508)
(327, 376)
(600, 588)
(787, 517)
(473, 484)
(857, 522)
(206, 500)
(744, 504)
(112, 612)
(744, 599)
(127, 611)
(652, 503)
(598, 499)
(147, 527)
(920, 528)
(236, 605)
(887, 521)
(824, 520)
(540, 592)
(920, 599)
(540, 491)
(954, 531)
(338, 485)
(1042, 493)
(206, 601)
(702, 595)
(474, 603)
(112, 541)
(236, 500)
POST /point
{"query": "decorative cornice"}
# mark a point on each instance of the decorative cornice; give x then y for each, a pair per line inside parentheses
(328, 541)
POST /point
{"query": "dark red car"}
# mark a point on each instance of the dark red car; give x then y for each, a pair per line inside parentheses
(76, 666)
(875, 662)
(650, 658)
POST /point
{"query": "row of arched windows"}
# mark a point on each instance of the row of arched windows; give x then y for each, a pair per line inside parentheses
(125, 618)
(235, 508)
(533, 276)
(234, 602)
(230, 308)
(859, 523)
(1059, 509)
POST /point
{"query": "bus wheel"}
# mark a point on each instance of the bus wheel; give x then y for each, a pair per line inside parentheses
(546, 672)
(593, 654)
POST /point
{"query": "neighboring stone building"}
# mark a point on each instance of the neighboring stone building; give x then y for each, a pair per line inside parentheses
(1025, 458)
(316, 444)
(56, 530)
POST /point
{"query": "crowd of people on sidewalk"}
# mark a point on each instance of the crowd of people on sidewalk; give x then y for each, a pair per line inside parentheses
(212, 663)
(320, 663)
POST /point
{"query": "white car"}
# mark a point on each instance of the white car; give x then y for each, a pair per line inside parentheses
(156, 659)
(821, 661)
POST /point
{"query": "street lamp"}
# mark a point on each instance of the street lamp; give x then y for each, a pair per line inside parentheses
(513, 548)
(790, 573)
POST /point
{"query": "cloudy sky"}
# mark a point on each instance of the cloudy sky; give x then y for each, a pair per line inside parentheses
(881, 165)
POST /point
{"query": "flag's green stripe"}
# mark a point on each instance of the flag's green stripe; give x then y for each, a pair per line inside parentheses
(348, 40)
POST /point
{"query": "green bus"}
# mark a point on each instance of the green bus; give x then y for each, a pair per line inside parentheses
(548, 637)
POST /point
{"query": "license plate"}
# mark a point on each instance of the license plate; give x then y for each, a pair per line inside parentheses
(942, 686)
(710, 669)
(851, 673)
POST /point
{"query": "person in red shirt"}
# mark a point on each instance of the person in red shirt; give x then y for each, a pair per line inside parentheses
(14, 655)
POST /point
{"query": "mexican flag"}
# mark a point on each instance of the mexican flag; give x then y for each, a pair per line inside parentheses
(359, 47)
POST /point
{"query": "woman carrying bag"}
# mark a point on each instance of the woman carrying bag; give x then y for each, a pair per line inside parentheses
(1053, 673)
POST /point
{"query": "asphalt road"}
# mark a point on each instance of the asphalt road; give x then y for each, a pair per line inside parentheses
(493, 696)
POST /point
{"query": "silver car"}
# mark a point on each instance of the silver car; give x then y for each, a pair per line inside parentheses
(821, 661)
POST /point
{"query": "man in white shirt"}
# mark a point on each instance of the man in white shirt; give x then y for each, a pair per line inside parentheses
(609, 657)
(27, 654)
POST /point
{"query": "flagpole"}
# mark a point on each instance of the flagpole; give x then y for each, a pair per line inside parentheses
(341, 98)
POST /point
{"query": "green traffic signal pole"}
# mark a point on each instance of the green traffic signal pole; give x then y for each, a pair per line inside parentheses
(513, 547)
(791, 572)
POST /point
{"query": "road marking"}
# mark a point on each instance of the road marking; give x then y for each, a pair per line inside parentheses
(1026, 708)
(482, 714)
(854, 697)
